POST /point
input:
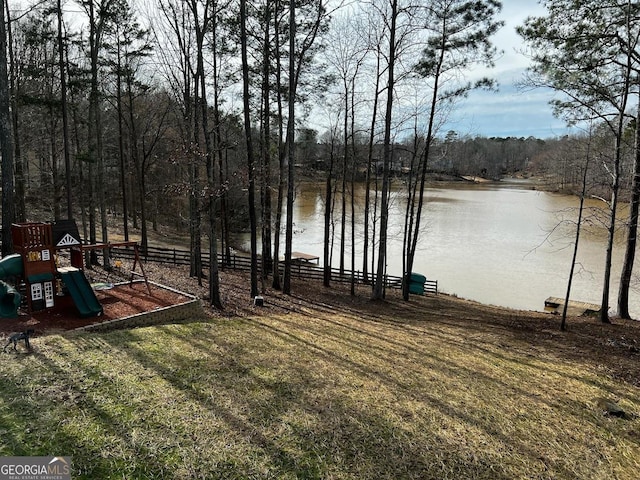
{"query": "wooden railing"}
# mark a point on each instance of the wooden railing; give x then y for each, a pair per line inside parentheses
(305, 270)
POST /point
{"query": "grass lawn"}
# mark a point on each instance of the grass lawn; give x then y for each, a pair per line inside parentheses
(371, 391)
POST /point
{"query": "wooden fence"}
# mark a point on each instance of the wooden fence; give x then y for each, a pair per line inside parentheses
(300, 269)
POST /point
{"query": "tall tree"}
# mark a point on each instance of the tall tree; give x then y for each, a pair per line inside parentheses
(303, 32)
(345, 54)
(576, 50)
(583, 193)
(203, 13)
(265, 142)
(99, 14)
(392, 21)
(6, 141)
(291, 146)
(374, 40)
(19, 163)
(218, 197)
(128, 44)
(249, 144)
(328, 209)
(458, 37)
(632, 228)
(64, 109)
(177, 52)
(282, 181)
(628, 39)
(219, 48)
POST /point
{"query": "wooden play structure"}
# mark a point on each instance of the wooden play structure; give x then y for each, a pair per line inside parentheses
(47, 284)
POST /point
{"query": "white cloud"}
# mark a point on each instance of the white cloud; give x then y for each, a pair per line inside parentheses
(510, 111)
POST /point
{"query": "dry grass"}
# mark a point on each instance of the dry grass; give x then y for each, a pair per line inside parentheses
(329, 386)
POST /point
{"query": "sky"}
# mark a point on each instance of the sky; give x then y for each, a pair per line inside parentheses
(512, 111)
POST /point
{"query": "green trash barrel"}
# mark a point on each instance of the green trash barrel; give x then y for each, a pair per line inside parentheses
(416, 284)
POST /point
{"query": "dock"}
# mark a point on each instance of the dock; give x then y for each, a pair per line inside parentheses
(304, 258)
(575, 308)
(475, 179)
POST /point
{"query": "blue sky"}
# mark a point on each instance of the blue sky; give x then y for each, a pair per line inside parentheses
(511, 111)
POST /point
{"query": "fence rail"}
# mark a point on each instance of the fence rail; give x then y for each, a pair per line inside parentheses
(174, 256)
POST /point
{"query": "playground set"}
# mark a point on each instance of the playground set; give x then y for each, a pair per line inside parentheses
(35, 268)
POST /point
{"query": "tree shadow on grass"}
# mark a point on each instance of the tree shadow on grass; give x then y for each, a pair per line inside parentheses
(312, 397)
(298, 391)
(279, 418)
(41, 410)
(614, 347)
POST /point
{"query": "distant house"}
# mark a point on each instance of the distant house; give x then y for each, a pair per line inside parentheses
(395, 166)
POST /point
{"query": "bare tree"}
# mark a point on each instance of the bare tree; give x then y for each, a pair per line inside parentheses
(391, 20)
(177, 50)
(346, 54)
(458, 36)
(291, 148)
(6, 142)
(64, 108)
(583, 60)
(632, 229)
(583, 193)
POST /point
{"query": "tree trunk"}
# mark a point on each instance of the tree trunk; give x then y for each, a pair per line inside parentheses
(379, 287)
(410, 216)
(343, 182)
(249, 144)
(277, 280)
(6, 142)
(19, 166)
(92, 134)
(123, 162)
(291, 147)
(215, 299)
(367, 185)
(65, 120)
(220, 152)
(328, 210)
(632, 229)
(563, 323)
(138, 166)
(267, 260)
(53, 159)
(615, 187)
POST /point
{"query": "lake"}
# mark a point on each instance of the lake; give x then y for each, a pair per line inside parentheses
(500, 243)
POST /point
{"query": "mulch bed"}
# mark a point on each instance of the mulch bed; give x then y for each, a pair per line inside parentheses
(121, 301)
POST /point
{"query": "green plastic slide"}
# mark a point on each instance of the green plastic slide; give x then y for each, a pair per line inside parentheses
(80, 290)
(11, 266)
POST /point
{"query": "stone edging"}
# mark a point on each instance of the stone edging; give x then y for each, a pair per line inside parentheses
(171, 314)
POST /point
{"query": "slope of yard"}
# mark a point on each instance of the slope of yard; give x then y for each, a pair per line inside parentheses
(324, 385)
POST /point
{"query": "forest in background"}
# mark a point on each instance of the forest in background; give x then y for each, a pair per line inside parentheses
(194, 113)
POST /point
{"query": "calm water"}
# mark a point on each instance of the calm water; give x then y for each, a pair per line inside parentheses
(503, 244)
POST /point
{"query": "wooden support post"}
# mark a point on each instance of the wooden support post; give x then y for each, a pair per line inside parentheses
(136, 260)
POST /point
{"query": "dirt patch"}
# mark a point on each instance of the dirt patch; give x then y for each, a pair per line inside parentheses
(121, 301)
